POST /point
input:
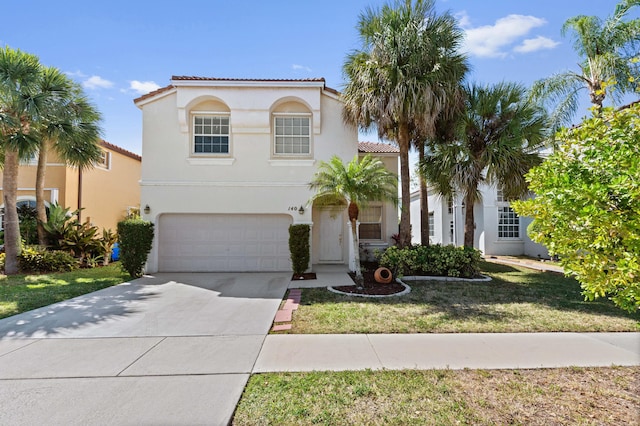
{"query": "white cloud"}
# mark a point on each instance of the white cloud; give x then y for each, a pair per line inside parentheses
(297, 67)
(535, 44)
(491, 41)
(97, 82)
(143, 87)
(79, 74)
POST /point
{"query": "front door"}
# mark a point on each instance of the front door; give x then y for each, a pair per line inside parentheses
(331, 235)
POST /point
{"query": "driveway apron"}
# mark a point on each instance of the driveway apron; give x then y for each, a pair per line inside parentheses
(168, 349)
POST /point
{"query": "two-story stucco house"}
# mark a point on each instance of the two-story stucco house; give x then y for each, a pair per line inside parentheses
(227, 169)
(106, 192)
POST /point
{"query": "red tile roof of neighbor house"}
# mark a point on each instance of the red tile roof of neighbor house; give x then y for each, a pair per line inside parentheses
(119, 150)
(265, 80)
(377, 148)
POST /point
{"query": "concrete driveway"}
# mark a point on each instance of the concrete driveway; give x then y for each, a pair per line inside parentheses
(169, 349)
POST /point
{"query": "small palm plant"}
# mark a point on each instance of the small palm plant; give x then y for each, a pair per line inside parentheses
(356, 184)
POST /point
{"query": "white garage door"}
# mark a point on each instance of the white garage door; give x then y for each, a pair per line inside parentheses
(216, 242)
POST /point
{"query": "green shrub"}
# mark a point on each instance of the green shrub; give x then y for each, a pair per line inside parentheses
(28, 224)
(437, 260)
(39, 259)
(299, 247)
(136, 236)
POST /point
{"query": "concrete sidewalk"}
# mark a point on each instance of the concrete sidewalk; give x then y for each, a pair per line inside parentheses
(440, 351)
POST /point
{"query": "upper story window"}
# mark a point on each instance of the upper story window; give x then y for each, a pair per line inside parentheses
(370, 223)
(210, 134)
(292, 135)
(105, 160)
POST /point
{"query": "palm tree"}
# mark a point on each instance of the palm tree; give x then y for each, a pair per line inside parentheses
(21, 102)
(497, 141)
(69, 127)
(608, 52)
(399, 80)
(356, 184)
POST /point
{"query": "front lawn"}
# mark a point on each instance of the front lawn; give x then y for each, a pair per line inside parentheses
(516, 300)
(436, 397)
(21, 293)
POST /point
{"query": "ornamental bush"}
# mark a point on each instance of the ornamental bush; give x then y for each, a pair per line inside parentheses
(135, 236)
(299, 248)
(437, 260)
(587, 205)
(39, 259)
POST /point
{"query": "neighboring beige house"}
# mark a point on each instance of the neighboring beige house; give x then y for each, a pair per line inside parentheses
(106, 192)
(227, 169)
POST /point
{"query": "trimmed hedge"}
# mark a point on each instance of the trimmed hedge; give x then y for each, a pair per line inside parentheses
(39, 259)
(135, 236)
(437, 260)
(299, 247)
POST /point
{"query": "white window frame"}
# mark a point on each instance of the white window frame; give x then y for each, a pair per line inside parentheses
(210, 114)
(508, 219)
(431, 220)
(105, 160)
(380, 222)
(282, 115)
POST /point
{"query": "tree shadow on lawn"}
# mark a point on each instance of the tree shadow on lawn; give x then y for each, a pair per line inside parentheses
(509, 285)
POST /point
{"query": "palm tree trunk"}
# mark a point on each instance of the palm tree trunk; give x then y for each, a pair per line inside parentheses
(354, 211)
(424, 203)
(469, 222)
(41, 210)
(11, 225)
(356, 251)
(405, 214)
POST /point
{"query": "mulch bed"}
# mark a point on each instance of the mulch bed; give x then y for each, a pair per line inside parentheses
(371, 287)
(305, 276)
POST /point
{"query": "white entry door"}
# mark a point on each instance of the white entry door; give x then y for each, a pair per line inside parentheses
(331, 235)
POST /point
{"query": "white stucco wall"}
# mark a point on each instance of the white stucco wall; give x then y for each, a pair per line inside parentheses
(250, 179)
(486, 220)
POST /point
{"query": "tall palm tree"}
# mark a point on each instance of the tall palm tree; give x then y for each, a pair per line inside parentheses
(608, 53)
(356, 184)
(21, 103)
(498, 138)
(69, 127)
(399, 79)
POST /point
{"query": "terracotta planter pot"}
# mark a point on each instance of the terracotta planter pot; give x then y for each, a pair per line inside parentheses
(383, 275)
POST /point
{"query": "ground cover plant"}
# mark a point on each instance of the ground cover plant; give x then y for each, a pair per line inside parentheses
(516, 300)
(21, 293)
(591, 396)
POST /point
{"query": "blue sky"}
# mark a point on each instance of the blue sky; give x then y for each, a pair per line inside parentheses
(119, 50)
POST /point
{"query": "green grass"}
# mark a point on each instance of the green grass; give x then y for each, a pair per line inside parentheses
(21, 293)
(443, 397)
(516, 300)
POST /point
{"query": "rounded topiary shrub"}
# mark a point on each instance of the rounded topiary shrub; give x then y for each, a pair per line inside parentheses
(299, 248)
(135, 238)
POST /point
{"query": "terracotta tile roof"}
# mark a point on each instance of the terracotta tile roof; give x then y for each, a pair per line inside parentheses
(122, 151)
(378, 148)
(265, 80)
(195, 78)
(152, 94)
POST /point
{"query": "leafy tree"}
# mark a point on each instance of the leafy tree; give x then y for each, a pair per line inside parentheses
(356, 184)
(608, 52)
(587, 205)
(21, 103)
(398, 81)
(496, 140)
(69, 127)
